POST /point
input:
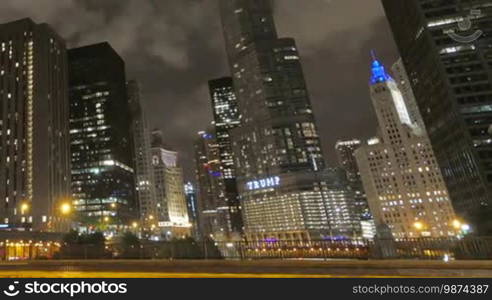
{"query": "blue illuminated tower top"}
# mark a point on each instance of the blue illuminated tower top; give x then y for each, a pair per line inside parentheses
(379, 74)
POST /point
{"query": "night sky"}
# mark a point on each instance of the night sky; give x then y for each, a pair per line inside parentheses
(173, 47)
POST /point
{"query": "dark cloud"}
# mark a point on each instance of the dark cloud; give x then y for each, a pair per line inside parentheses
(173, 47)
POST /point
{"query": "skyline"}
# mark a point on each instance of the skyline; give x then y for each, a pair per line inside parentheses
(174, 76)
(351, 137)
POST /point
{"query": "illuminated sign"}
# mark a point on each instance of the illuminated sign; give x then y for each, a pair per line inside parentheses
(263, 183)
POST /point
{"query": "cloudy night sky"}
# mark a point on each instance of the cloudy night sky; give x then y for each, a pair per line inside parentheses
(173, 47)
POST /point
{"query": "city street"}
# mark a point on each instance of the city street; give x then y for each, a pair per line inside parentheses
(243, 269)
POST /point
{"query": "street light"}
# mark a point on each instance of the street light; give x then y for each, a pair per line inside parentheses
(24, 207)
(457, 224)
(465, 228)
(65, 208)
(460, 226)
(418, 225)
(135, 225)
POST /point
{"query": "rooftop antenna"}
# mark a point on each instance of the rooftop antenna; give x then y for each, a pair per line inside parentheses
(373, 55)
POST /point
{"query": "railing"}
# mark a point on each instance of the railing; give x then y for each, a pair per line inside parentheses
(419, 248)
(429, 248)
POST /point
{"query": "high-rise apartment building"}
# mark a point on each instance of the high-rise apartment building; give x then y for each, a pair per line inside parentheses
(144, 173)
(402, 180)
(446, 50)
(34, 140)
(226, 118)
(172, 212)
(277, 148)
(102, 161)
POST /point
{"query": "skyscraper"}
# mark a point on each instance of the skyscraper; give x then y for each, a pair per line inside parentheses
(192, 204)
(213, 210)
(226, 118)
(445, 47)
(345, 150)
(172, 213)
(402, 180)
(102, 161)
(341, 202)
(144, 173)
(277, 148)
(34, 141)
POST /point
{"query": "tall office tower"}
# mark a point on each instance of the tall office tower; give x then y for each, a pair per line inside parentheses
(345, 150)
(34, 142)
(402, 180)
(102, 161)
(213, 211)
(226, 118)
(172, 212)
(277, 148)
(144, 172)
(450, 73)
(192, 204)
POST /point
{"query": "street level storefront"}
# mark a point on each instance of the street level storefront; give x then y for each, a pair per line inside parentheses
(24, 245)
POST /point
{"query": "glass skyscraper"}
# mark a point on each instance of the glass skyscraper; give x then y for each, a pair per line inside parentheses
(345, 150)
(192, 205)
(226, 118)
(101, 146)
(213, 210)
(446, 48)
(277, 148)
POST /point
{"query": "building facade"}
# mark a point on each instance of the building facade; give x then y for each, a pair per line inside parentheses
(227, 118)
(445, 47)
(34, 140)
(144, 173)
(192, 205)
(401, 78)
(345, 150)
(213, 211)
(102, 155)
(403, 183)
(277, 150)
(172, 219)
(342, 205)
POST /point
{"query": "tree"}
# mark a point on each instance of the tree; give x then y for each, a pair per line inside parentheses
(83, 246)
(71, 238)
(130, 245)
